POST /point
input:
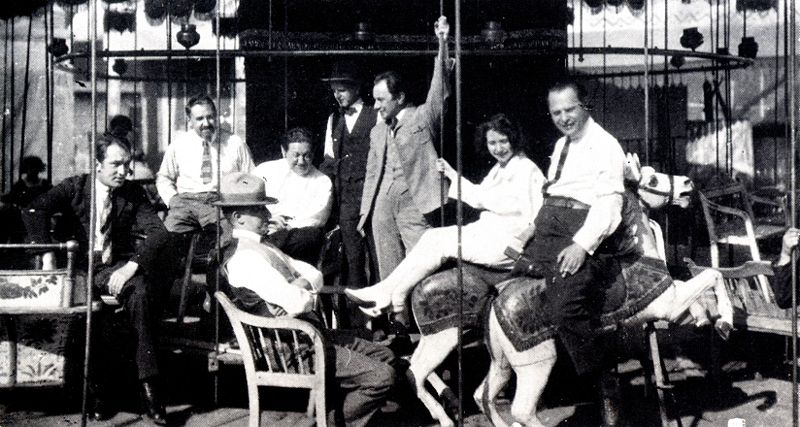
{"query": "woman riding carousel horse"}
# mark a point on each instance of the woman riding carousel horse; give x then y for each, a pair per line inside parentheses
(510, 197)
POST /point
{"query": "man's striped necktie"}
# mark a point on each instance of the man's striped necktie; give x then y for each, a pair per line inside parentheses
(104, 222)
(205, 168)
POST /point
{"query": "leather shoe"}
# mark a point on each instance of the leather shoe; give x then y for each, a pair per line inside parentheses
(154, 407)
(609, 400)
(101, 410)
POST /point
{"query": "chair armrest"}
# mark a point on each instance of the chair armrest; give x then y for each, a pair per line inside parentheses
(767, 201)
(748, 269)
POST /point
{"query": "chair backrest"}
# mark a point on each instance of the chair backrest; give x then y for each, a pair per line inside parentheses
(278, 351)
(733, 195)
(751, 309)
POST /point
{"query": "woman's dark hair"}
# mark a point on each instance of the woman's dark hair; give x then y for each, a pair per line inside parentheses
(500, 124)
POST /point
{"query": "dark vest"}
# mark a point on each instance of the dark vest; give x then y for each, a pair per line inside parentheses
(351, 149)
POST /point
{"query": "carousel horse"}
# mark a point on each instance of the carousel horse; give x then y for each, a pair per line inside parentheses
(436, 312)
(523, 340)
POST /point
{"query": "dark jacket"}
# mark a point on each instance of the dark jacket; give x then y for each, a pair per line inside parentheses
(782, 285)
(132, 215)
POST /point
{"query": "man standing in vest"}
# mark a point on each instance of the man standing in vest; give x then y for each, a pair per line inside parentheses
(402, 183)
(346, 149)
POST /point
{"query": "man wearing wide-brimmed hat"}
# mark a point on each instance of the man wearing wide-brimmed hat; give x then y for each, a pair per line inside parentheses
(346, 150)
(262, 280)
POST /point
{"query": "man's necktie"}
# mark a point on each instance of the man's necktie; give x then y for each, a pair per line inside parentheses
(104, 222)
(561, 159)
(347, 111)
(205, 168)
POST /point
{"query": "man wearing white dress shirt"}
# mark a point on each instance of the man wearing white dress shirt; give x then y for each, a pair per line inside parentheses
(187, 179)
(346, 149)
(582, 207)
(304, 197)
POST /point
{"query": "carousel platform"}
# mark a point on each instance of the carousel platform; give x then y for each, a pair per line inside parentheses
(758, 392)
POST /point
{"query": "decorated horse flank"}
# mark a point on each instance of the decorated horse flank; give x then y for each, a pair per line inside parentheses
(637, 288)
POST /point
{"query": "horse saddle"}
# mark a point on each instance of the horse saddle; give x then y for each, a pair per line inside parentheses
(635, 281)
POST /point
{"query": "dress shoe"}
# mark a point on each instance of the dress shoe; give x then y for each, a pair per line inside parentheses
(369, 298)
(153, 406)
(101, 410)
(609, 400)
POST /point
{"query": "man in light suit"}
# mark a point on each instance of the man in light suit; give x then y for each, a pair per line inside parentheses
(402, 183)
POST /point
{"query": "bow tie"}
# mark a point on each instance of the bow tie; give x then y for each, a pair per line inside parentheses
(348, 110)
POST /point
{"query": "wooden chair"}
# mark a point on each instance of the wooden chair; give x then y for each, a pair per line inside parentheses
(752, 311)
(730, 220)
(36, 356)
(279, 352)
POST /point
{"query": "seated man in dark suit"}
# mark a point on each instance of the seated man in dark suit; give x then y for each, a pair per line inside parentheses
(120, 268)
(263, 280)
(782, 282)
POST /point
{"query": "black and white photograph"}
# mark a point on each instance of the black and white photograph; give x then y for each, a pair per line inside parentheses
(401, 213)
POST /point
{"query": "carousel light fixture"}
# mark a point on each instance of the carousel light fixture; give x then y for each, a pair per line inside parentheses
(691, 38)
(120, 66)
(58, 47)
(363, 32)
(677, 61)
(188, 35)
(748, 48)
(493, 33)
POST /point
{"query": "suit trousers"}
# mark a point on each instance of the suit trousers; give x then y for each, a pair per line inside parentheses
(354, 245)
(572, 303)
(363, 376)
(138, 319)
(191, 212)
(397, 225)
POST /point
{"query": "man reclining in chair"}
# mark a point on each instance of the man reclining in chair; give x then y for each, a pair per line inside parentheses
(264, 281)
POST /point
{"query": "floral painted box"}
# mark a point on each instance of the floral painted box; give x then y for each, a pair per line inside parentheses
(35, 289)
(33, 349)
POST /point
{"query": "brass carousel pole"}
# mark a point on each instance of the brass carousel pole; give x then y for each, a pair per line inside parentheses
(218, 97)
(92, 36)
(646, 78)
(459, 215)
(792, 98)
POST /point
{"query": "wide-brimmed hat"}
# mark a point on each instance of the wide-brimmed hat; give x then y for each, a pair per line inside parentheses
(243, 189)
(344, 71)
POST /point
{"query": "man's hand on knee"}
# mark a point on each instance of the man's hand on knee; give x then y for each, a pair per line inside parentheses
(121, 276)
(571, 259)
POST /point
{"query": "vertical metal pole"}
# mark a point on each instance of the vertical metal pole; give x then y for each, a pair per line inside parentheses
(25, 88)
(459, 217)
(5, 102)
(92, 205)
(443, 61)
(792, 91)
(217, 63)
(48, 85)
(646, 88)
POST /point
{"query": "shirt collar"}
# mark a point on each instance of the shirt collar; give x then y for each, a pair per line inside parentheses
(101, 189)
(240, 233)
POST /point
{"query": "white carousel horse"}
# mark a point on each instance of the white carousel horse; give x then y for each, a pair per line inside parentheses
(434, 306)
(665, 300)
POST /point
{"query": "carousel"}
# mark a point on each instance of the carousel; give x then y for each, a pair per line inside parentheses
(700, 95)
